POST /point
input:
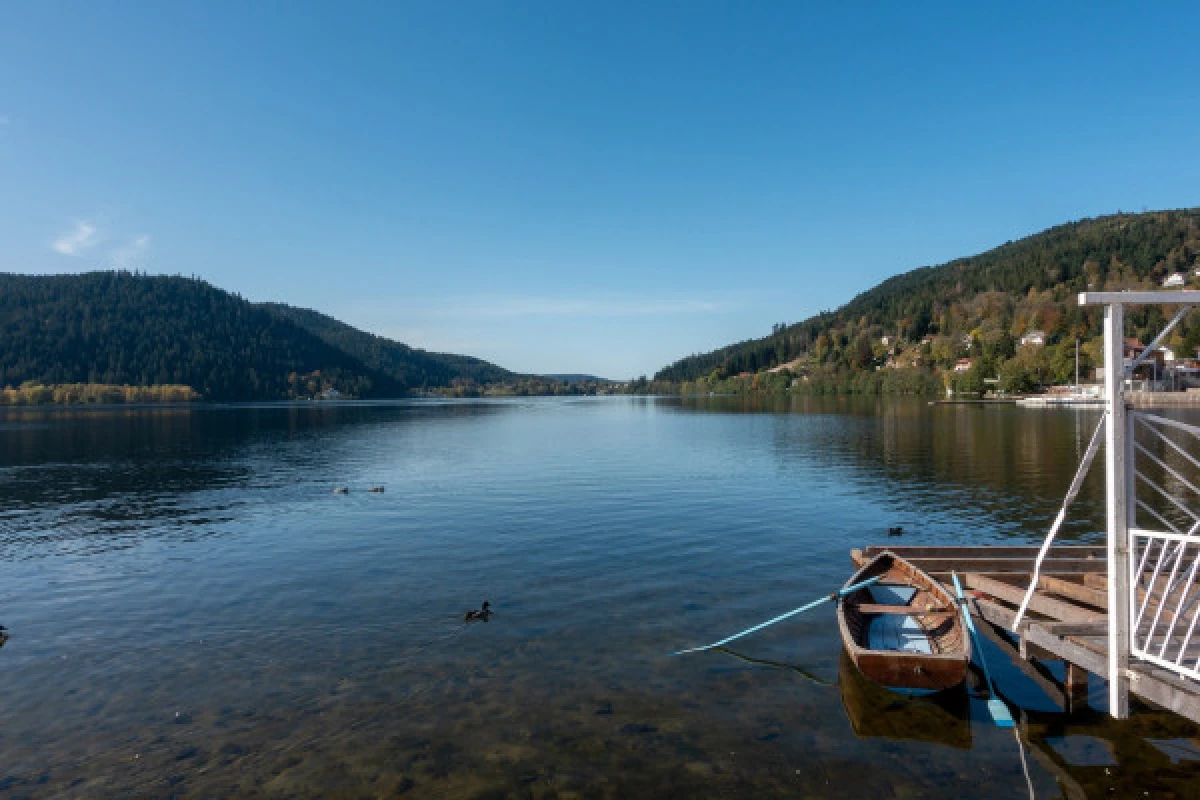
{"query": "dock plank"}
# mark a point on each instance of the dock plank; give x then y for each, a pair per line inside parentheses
(1002, 564)
(1074, 591)
(988, 551)
(1063, 610)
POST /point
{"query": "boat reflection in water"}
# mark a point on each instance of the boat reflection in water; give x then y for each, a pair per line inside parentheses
(874, 712)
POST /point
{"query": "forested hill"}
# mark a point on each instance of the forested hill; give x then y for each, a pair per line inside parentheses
(122, 328)
(980, 306)
(413, 367)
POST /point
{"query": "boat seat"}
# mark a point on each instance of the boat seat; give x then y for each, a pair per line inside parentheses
(875, 608)
(894, 632)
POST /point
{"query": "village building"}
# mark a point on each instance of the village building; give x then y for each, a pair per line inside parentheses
(1035, 337)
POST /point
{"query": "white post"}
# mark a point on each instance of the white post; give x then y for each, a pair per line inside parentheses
(1116, 457)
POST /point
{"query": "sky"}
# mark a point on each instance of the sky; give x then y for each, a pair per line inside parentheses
(596, 187)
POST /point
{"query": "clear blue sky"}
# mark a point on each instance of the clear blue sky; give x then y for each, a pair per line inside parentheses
(569, 186)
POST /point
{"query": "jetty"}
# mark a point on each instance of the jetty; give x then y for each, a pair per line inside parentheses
(1067, 619)
(1125, 610)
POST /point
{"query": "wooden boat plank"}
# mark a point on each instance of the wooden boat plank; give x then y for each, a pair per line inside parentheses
(876, 608)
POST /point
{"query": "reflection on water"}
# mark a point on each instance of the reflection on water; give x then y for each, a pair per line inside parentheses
(943, 718)
(195, 613)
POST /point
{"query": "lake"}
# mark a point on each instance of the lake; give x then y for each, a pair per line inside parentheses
(194, 612)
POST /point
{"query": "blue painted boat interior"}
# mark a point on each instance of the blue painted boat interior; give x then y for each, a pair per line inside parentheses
(896, 631)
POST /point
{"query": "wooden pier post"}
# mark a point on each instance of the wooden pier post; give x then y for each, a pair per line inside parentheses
(1116, 457)
(1075, 687)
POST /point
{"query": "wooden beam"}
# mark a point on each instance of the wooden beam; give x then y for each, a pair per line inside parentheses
(1051, 607)
(944, 577)
(1076, 686)
(1011, 565)
(1028, 651)
(1068, 650)
(1166, 690)
(1096, 581)
(987, 551)
(1076, 628)
(993, 612)
(1039, 675)
(1075, 591)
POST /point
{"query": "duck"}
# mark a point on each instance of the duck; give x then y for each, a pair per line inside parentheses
(896, 531)
(376, 489)
(341, 490)
(480, 614)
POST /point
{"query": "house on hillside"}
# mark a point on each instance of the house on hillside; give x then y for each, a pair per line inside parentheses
(330, 394)
(1175, 280)
(885, 340)
(1132, 348)
(963, 364)
(1154, 362)
(1037, 338)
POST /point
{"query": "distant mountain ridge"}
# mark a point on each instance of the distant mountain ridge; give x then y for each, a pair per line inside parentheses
(978, 307)
(126, 328)
(573, 377)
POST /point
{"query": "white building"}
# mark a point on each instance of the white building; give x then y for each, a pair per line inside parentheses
(1175, 280)
(1034, 337)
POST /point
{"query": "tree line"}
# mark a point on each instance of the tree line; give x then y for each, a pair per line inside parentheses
(980, 307)
(128, 329)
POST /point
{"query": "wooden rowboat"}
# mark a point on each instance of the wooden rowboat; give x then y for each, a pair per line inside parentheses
(904, 632)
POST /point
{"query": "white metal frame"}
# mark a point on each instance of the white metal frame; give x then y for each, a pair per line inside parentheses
(1122, 504)
(1178, 595)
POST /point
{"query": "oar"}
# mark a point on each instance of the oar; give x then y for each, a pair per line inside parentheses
(781, 617)
(996, 707)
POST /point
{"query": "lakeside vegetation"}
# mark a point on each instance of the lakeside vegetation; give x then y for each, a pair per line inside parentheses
(36, 394)
(908, 333)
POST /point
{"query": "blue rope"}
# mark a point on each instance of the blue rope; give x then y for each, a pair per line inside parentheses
(996, 707)
(781, 617)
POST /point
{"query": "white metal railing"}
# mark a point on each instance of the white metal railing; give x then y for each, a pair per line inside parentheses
(1164, 555)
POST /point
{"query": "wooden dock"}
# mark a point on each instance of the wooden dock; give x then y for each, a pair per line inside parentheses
(1067, 619)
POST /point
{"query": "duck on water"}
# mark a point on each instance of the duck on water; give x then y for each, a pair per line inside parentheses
(480, 614)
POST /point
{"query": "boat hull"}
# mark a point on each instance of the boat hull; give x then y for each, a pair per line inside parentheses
(939, 651)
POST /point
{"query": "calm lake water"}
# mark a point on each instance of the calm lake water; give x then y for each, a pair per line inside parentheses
(193, 612)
